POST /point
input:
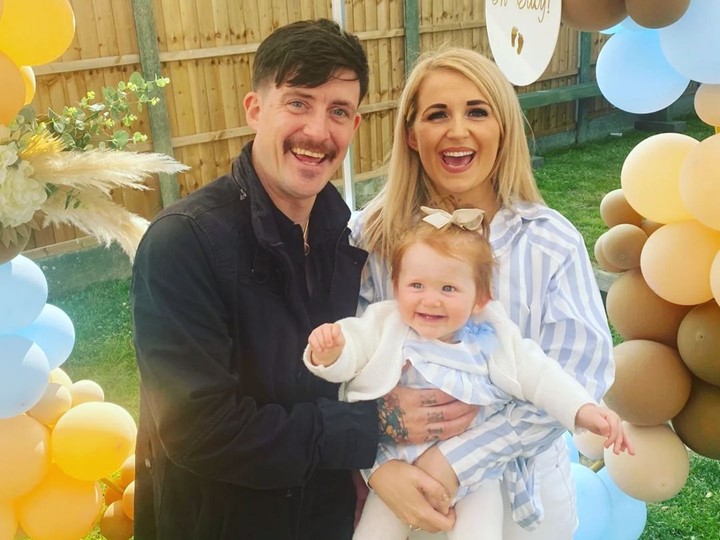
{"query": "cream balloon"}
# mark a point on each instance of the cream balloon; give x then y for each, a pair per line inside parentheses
(650, 177)
(85, 391)
(24, 455)
(707, 103)
(658, 470)
(654, 14)
(57, 375)
(55, 402)
(700, 182)
(676, 260)
(8, 520)
(590, 445)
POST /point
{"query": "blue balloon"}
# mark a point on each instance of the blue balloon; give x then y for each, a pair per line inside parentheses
(629, 515)
(634, 75)
(592, 503)
(54, 332)
(692, 43)
(23, 293)
(573, 453)
(24, 375)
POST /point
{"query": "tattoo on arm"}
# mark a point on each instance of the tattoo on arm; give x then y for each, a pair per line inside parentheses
(392, 424)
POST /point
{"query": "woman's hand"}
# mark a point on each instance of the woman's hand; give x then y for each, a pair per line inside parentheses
(412, 415)
(415, 497)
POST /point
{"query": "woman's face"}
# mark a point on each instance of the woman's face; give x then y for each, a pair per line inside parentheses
(456, 134)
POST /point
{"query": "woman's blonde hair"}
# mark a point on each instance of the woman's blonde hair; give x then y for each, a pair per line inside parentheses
(408, 187)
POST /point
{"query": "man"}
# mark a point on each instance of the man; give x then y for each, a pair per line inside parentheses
(237, 440)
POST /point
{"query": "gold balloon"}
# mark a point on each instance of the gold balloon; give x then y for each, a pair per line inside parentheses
(60, 508)
(715, 278)
(115, 525)
(650, 176)
(28, 76)
(707, 103)
(8, 520)
(676, 260)
(615, 209)
(55, 402)
(594, 15)
(24, 455)
(34, 32)
(623, 244)
(697, 424)
(658, 470)
(127, 471)
(600, 255)
(12, 96)
(654, 14)
(128, 500)
(652, 384)
(636, 312)
(700, 182)
(698, 340)
(92, 440)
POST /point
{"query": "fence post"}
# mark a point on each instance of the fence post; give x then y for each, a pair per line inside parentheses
(412, 33)
(583, 105)
(159, 120)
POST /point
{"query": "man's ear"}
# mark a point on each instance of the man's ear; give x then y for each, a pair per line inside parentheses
(410, 139)
(251, 102)
(356, 121)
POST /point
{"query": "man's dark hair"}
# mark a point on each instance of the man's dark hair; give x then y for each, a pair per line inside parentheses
(308, 53)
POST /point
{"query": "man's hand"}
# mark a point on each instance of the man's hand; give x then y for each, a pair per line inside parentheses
(411, 415)
(415, 498)
(326, 343)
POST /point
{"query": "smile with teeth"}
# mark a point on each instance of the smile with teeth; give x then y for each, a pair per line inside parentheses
(457, 158)
(308, 155)
(429, 317)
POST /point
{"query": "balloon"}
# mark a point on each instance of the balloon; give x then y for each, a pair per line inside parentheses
(700, 182)
(652, 384)
(676, 262)
(55, 401)
(623, 244)
(34, 32)
(629, 515)
(23, 375)
(650, 226)
(8, 520)
(573, 453)
(28, 76)
(633, 74)
(691, 44)
(698, 340)
(60, 508)
(654, 14)
(24, 455)
(86, 391)
(659, 468)
(715, 278)
(127, 471)
(697, 424)
(636, 312)
(13, 89)
(593, 16)
(615, 209)
(707, 103)
(53, 332)
(650, 176)
(592, 504)
(600, 255)
(23, 289)
(128, 500)
(93, 440)
(115, 525)
(590, 445)
(57, 375)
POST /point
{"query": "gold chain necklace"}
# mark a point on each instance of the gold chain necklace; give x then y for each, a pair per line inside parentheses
(306, 246)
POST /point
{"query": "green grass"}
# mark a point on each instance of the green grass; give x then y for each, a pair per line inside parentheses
(572, 180)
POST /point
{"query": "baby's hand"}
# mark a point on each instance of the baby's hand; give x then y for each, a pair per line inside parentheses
(603, 421)
(326, 343)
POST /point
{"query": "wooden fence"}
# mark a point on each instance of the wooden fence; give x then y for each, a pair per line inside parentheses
(207, 49)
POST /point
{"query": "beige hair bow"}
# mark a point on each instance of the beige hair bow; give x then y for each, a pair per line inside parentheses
(465, 218)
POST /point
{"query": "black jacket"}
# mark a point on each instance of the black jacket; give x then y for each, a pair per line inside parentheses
(237, 440)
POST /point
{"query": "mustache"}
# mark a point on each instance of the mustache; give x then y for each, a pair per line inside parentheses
(329, 150)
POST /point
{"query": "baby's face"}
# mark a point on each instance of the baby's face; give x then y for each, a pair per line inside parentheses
(436, 294)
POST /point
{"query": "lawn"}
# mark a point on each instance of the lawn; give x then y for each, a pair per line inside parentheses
(572, 180)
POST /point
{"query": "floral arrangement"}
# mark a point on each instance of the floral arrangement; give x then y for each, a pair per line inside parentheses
(62, 167)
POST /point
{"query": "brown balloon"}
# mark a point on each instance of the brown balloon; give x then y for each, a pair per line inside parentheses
(615, 209)
(697, 424)
(654, 14)
(652, 384)
(698, 340)
(636, 312)
(600, 255)
(593, 15)
(650, 226)
(623, 245)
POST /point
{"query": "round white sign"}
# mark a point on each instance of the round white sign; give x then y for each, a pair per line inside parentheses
(523, 34)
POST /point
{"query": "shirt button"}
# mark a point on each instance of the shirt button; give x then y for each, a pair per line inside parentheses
(148, 464)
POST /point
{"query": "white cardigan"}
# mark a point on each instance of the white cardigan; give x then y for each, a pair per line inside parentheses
(371, 362)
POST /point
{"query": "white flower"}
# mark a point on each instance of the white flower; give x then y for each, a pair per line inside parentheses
(20, 195)
(4, 133)
(8, 156)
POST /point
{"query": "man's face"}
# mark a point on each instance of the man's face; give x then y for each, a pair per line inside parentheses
(302, 134)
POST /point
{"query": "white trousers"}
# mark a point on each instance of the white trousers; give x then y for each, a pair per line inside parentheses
(554, 477)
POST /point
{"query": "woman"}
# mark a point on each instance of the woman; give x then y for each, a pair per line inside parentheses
(459, 134)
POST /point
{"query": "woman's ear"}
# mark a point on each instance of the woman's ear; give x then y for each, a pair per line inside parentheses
(410, 139)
